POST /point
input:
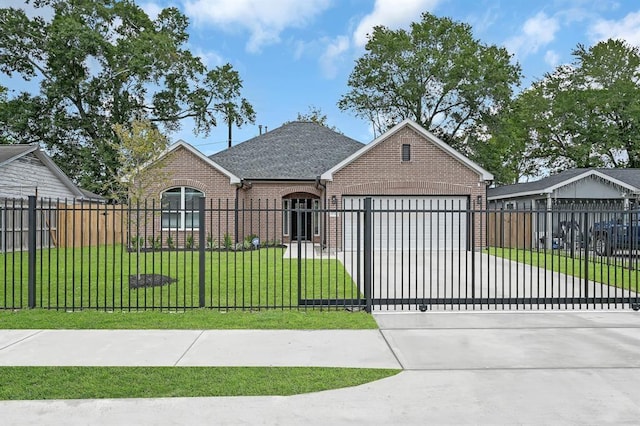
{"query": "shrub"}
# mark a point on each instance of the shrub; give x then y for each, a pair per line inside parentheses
(170, 243)
(228, 242)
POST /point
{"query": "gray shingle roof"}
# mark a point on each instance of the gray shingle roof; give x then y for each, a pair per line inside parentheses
(8, 152)
(300, 150)
(628, 176)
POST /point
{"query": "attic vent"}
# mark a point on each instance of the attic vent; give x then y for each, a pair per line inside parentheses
(406, 152)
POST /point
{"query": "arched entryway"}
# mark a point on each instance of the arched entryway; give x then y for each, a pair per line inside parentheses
(301, 217)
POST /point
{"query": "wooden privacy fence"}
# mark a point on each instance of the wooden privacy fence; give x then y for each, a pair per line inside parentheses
(83, 225)
(509, 229)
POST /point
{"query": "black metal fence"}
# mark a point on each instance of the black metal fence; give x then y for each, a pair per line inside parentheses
(372, 254)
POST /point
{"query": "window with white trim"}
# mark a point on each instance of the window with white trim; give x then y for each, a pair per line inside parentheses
(286, 212)
(180, 208)
(316, 217)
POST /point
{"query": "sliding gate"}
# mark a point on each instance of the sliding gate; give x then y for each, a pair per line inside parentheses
(426, 255)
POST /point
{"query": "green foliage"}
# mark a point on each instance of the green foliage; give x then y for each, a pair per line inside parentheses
(212, 243)
(188, 242)
(171, 382)
(138, 146)
(436, 74)
(101, 63)
(586, 114)
(227, 241)
(315, 115)
(155, 243)
(170, 243)
(137, 242)
(234, 109)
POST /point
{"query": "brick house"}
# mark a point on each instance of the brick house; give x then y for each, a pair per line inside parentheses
(303, 180)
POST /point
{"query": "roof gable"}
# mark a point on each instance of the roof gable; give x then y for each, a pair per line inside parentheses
(485, 175)
(11, 153)
(625, 178)
(233, 179)
(299, 150)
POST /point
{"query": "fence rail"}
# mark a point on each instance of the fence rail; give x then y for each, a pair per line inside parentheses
(368, 254)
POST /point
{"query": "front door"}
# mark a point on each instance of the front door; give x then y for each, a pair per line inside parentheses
(301, 221)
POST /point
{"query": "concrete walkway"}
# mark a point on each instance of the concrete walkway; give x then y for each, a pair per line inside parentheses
(459, 368)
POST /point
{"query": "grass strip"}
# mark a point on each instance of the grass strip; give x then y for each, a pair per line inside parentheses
(608, 271)
(36, 383)
(197, 319)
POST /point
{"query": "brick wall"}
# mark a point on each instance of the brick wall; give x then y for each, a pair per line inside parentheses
(182, 168)
(263, 207)
(381, 171)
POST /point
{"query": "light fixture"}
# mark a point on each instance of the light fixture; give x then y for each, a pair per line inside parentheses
(334, 200)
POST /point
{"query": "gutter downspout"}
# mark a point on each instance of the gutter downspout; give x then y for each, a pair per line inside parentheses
(235, 211)
(319, 185)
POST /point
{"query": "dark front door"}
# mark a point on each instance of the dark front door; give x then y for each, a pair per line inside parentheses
(301, 219)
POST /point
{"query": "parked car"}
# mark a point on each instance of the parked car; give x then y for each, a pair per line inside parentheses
(620, 233)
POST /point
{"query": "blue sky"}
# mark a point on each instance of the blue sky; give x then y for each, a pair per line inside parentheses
(293, 54)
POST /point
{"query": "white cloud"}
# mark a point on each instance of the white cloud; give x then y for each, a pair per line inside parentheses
(537, 31)
(393, 14)
(333, 54)
(552, 58)
(151, 9)
(628, 29)
(209, 58)
(264, 20)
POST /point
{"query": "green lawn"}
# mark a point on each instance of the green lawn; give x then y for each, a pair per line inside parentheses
(98, 277)
(195, 319)
(609, 271)
(29, 383)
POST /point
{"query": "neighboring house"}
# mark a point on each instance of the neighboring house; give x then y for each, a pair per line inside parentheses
(560, 199)
(615, 188)
(306, 165)
(25, 170)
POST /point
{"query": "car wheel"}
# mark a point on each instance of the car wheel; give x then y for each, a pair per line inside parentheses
(602, 247)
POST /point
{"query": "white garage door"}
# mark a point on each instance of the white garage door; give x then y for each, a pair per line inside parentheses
(409, 222)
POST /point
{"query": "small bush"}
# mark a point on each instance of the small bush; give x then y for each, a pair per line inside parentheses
(228, 242)
(170, 243)
(212, 243)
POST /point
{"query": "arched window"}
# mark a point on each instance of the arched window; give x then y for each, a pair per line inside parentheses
(180, 208)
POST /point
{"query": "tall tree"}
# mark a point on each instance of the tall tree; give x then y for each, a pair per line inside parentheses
(586, 114)
(315, 115)
(235, 109)
(436, 74)
(503, 147)
(98, 63)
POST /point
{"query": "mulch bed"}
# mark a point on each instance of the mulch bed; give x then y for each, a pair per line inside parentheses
(149, 280)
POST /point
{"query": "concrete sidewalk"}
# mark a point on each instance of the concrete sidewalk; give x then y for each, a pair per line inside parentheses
(321, 348)
(460, 368)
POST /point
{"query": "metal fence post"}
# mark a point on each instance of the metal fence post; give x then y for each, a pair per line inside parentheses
(585, 237)
(201, 245)
(473, 255)
(367, 253)
(32, 252)
(299, 242)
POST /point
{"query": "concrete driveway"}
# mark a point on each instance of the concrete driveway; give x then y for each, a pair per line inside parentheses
(450, 275)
